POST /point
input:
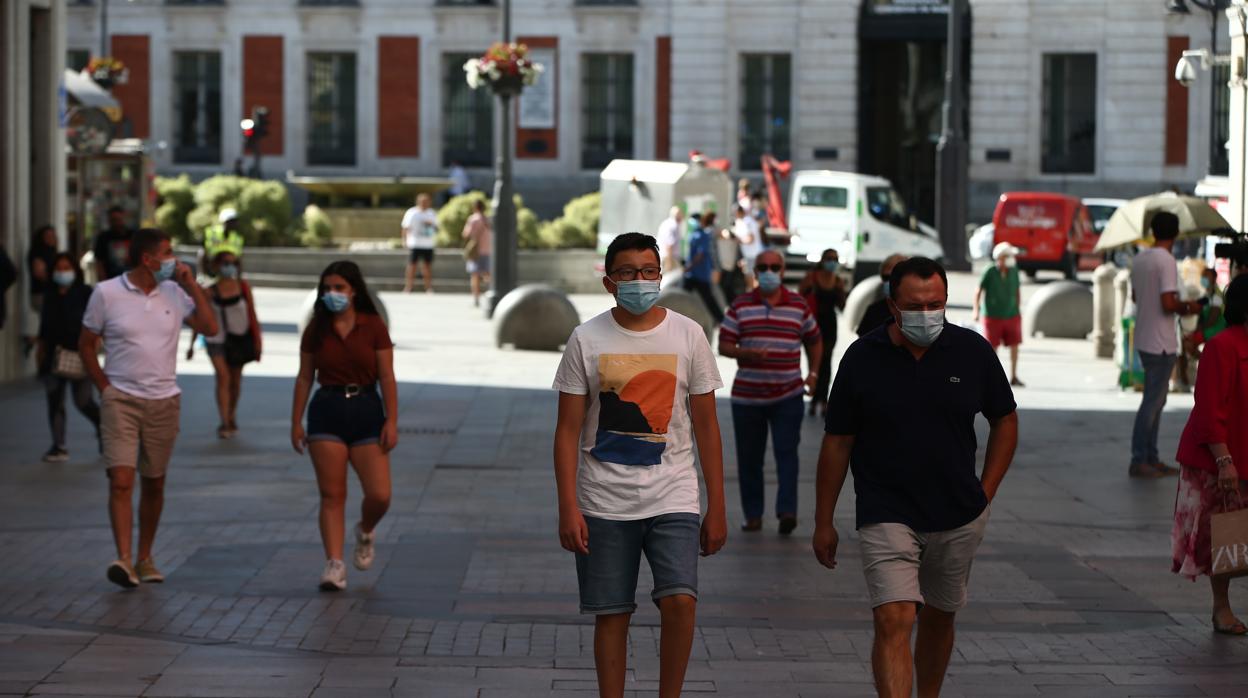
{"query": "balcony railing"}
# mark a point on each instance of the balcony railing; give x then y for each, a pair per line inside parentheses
(193, 3)
(606, 3)
(465, 3)
(329, 3)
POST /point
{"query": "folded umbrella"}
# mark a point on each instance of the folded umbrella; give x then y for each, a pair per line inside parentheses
(1130, 224)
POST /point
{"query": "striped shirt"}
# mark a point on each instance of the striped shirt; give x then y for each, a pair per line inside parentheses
(753, 324)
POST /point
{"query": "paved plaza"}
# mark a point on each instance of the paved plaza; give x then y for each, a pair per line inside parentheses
(471, 594)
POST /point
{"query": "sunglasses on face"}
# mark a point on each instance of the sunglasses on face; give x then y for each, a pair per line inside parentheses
(769, 267)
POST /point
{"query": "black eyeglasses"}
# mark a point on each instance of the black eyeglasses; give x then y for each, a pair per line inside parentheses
(769, 267)
(631, 274)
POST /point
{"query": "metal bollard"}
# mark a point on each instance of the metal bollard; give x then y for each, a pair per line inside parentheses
(1103, 315)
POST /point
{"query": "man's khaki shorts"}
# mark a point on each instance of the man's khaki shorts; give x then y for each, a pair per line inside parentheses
(901, 564)
(138, 433)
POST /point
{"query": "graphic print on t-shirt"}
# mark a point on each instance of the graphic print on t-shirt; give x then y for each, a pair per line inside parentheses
(635, 407)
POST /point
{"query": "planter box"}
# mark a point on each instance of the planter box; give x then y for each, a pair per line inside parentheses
(573, 271)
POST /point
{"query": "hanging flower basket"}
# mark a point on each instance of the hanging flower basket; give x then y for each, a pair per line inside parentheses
(107, 71)
(504, 68)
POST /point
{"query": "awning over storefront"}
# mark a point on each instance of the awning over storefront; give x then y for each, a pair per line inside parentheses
(88, 94)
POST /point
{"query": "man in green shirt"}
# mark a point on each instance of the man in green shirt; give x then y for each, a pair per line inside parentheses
(999, 293)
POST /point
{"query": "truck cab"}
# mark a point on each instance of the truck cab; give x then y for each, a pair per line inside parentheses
(861, 216)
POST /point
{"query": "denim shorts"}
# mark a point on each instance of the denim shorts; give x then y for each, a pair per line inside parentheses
(354, 420)
(608, 574)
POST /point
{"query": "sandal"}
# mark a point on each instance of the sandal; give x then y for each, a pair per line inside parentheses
(1237, 628)
(223, 432)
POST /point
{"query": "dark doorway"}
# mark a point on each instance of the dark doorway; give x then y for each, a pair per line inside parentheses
(901, 87)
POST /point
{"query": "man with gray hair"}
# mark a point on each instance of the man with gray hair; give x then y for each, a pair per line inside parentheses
(669, 236)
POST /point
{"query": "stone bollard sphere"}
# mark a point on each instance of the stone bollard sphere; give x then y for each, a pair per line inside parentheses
(1062, 309)
(305, 310)
(535, 317)
(689, 305)
(864, 293)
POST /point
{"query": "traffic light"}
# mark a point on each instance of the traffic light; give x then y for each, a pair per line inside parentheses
(261, 117)
(248, 127)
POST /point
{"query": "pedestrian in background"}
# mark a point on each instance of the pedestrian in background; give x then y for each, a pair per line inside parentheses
(139, 317)
(478, 245)
(238, 340)
(999, 296)
(1154, 288)
(636, 393)
(670, 234)
(1213, 453)
(765, 331)
(902, 414)
(60, 367)
(112, 246)
(747, 232)
(420, 229)
(347, 349)
(745, 199)
(824, 291)
(878, 313)
(460, 183)
(729, 261)
(43, 249)
(700, 267)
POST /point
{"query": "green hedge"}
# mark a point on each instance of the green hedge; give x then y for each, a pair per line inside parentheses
(577, 227)
(453, 216)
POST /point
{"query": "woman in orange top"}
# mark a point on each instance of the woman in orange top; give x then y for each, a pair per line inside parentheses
(347, 349)
(1214, 452)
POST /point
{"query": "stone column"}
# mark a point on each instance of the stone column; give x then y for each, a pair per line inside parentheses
(1238, 16)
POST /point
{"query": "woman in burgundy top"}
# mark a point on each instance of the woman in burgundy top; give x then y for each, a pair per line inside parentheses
(347, 349)
(1214, 452)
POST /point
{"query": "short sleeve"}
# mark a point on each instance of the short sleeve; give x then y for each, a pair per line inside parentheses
(305, 342)
(730, 329)
(983, 278)
(93, 318)
(185, 302)
(703, 371)
(810, 327)
(844, 412)
(570, 377)
(1169, 277)
(381, 335)
(998, 397)
(407, 218)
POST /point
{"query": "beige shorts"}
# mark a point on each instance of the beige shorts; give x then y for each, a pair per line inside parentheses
(901, 564)
(138, 433)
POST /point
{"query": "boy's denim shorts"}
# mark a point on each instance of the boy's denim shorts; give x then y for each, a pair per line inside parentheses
(608, 574)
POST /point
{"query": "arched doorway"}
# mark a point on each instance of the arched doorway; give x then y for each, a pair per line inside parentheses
(901, 87)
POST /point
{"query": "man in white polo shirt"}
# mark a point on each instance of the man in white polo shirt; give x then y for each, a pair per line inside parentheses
(139, 316)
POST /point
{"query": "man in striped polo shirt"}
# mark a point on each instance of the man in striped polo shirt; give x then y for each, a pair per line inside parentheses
(765, 331)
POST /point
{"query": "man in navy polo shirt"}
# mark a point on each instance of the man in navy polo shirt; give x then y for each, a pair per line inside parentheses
(902, 413)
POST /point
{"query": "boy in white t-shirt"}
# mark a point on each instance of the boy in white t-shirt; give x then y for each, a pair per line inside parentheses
(420, 226)
(636, 390)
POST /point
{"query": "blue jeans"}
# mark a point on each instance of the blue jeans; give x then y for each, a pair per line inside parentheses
(1157, 369)
(750, 424)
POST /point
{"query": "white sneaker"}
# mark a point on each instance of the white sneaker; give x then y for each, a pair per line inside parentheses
(363, 553)
(334, 578)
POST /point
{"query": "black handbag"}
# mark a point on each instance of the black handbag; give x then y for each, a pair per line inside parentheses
(239, 349)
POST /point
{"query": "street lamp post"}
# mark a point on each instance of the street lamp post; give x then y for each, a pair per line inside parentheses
(503, 261)
(951, 153)
(1214, 8)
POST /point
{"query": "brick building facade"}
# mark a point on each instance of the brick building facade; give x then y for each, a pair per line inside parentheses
(1064, 95)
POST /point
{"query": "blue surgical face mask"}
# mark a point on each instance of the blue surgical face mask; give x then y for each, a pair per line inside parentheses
(167, 267)
(831, 265)
(335, 301)
(637, 297)
(922, 327)
(769, 281)
(228, 271)
(63, 278)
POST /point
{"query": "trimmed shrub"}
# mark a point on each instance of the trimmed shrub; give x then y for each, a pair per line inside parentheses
(263, 209)
(453, 216)
(318, 229)
(177, 199)
(585, 212)
(577, 227)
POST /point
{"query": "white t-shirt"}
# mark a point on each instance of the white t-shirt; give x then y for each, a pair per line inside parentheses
(1154, 272)
(140, 334)
(746, 228)
(419, 228)
(637, 447)
(668, 236)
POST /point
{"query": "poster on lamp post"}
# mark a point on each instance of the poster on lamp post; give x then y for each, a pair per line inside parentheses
(537, 102)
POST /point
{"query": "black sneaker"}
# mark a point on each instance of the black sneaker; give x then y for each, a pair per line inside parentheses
(56, 454)
(787, 525)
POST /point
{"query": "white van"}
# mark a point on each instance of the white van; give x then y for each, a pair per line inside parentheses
(861, 216)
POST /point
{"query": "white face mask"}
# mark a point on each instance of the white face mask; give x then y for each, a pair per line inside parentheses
(922, 327)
